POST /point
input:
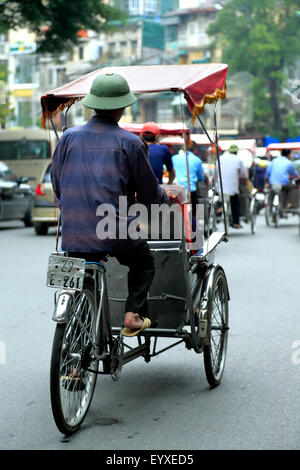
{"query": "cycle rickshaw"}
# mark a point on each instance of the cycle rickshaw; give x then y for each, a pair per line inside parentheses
(277, 204)
(189, 294)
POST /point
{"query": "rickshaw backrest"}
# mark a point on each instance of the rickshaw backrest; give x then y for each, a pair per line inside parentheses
(165, 221)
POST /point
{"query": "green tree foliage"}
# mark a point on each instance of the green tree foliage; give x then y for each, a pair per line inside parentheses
(262, 37)
(57, 22)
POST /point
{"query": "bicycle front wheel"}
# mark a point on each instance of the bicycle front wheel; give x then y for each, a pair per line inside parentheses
(71, 384)
(217, 316)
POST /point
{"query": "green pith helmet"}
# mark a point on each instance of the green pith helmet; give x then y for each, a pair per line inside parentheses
(233, 148)
(109, 91)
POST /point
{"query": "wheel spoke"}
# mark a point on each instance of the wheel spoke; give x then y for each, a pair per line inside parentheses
(215, 356)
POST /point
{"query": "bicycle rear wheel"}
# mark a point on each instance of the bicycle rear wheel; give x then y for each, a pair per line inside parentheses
(71, 384)
(276, 216)
(267, 216)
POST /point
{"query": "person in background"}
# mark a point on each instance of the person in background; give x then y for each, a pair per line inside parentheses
(232, 170)
(196, 173)
(159, 155)
(296, 161)
(281, 171)
(257, 173)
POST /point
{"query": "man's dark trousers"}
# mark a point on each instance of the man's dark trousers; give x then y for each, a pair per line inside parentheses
(140, 275)
(235, 209)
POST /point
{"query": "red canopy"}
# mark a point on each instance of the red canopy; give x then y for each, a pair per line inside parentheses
(172, 140)
(200, 84)
(284, 145)
(164, 128)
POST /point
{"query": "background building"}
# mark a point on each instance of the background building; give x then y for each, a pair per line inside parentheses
(23, 77)
(145, 7)
(186, 38)
(155, 32)
(139, 41)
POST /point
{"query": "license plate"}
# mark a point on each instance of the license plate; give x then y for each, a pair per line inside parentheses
(65, 272)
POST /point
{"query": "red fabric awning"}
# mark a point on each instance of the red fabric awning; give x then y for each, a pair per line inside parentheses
(284, 145)
(164, 128)
(200, 84)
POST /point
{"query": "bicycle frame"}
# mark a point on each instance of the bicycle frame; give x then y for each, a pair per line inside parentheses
(103, 324)
(274, 198)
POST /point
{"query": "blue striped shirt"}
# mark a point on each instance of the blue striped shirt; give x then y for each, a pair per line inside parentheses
(95, 164)
(195, 169)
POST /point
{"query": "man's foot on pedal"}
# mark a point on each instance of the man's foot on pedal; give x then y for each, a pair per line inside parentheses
(134, 324)
(133, 321)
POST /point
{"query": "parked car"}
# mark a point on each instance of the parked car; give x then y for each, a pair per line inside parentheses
(45, 208)
(16, 197)
(27, 151)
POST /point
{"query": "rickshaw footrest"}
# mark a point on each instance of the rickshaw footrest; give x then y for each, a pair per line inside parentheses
(165, 332)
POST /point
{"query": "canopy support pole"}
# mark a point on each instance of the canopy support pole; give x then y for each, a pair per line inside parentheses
(65, 117)
(186, 155)
(53, 127)
(215, 142)
(187, 167)
(52, 123)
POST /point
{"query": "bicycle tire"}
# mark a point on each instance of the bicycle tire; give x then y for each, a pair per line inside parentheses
(195, 283)
(253, 215)
(267, 216)
(72, 386)
(277, 217)
(228, 216)
(214, 364)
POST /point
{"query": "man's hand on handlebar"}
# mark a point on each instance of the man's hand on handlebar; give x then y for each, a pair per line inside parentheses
(171, 195)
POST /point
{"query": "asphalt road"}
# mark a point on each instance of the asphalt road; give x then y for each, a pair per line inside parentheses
(167, 403)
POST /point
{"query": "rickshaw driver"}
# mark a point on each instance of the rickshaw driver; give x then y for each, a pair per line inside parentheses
(233, 169)
(97, 163)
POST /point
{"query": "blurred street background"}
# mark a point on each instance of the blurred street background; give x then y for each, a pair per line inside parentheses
(44, 44)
